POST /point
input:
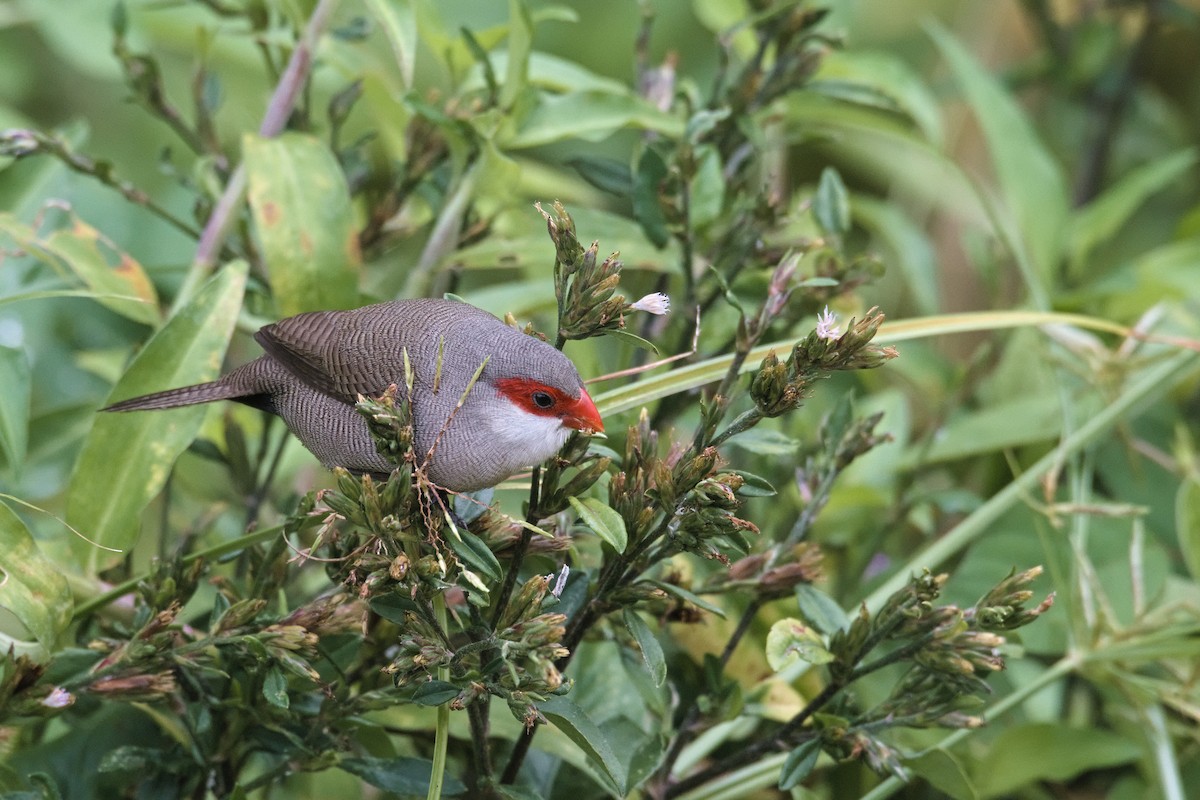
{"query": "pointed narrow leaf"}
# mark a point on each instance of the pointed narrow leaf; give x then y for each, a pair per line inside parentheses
(579, 728)
(820, 610)
(434, 693)
(398, 21)
(114, 278)
(691, 597)
(1032, 183)
(126, 457)
(652, 652)
(1187, 524)
(799, 764)
(32, 589)
(301, 207)
(407, 776)
(275, 687)
(604, 521)
(473, 550)
(831, 204)
(520, 43)
(633, 339)
(14, 411)
(1102, 218)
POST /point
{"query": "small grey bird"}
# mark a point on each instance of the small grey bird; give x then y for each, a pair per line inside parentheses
(525, 404)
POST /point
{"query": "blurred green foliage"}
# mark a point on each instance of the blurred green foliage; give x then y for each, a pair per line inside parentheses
(1032, 163)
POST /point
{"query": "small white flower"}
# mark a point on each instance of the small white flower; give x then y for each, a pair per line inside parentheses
(827, 327)
(561, 583)
(58, 698)
(656, 303)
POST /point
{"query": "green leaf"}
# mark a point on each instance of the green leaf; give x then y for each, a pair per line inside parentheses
(32, 589)
(434, 693)
(906, 245)
(393, 607)
(398, 21)
(473, 550)
(302, 212)
(116, 280)
(520, 43)
(400, 775)
(831, 204)
(579, 728)
(754, 486)
(604, 521)
(883, 80)
(633, 339)
(606, 174)
(14, 411)
(766, 442)
(702, 122)
(1102, 218)
(944, 772)
(708, 188)
(651, 170)
(799, 764)
(652, 652)
(690, 597)
(791, 640)
(1187, 524)
(820, 610)
(590, 116)
(126, 457)
(1031, 182)
(1025, 754)
(275, 687)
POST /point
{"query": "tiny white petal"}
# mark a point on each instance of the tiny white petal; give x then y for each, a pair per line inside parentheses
(827, 327)
(655, 303)
(561, 583)
(58, 698)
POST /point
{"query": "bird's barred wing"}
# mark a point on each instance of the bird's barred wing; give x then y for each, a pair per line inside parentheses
(332, 353)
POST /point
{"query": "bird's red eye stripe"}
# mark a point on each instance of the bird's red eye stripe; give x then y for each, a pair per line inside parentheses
(546, 401)
(534, 397)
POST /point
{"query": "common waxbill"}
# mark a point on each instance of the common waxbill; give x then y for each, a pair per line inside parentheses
(525, 404)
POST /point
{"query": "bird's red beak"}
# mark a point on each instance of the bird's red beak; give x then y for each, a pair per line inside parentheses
(583, 415)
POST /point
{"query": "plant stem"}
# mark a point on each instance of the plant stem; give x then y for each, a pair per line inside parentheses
(242, 542)
(1155, 382)
(283, 100)
(518, 556)
(685, 732)
(1062, 667)
(441, 739)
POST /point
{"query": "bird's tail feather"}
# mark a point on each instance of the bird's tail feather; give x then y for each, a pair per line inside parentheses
(183, 396)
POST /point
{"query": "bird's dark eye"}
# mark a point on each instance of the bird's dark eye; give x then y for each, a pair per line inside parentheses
(542, 400)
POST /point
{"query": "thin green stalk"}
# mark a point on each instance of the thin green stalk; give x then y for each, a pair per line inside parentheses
(1065, 665)
(240, 543)
(764, 773)
(1154, 383)
(442, 734)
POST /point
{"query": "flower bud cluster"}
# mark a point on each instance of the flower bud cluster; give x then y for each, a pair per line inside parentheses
(950, 654)
(381, 508)
(520, 656)
(778, 387)
(554, 494)
(1002, 608)
(585, 287)
(771, 575)
(705, 522)
(389, 420)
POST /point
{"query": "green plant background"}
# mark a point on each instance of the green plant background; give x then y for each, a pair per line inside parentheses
(1005, 159)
